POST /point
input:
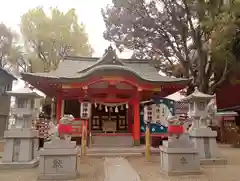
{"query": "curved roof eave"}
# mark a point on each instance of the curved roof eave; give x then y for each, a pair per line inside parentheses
(125, 69)
(81, 76)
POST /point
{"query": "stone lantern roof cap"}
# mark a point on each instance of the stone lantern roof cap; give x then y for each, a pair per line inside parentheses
(197, 95)
(24, 92)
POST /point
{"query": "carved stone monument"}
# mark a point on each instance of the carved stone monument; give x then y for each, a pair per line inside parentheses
(178, 155)
(58, 160)
(203, 136)
(21, 140)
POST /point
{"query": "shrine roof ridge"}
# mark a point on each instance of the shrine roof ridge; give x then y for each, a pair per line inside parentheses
(95, 59)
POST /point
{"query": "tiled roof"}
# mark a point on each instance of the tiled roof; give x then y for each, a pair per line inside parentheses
(24, 92)
(7, 73)
(71, 68)
(81, 67)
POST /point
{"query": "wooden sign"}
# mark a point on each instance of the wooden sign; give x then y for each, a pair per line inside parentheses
(85, 112)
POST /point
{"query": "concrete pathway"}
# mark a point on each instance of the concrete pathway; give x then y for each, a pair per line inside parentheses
(119, 169)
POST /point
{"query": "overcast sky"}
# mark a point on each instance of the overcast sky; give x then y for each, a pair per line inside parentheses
(89, 12)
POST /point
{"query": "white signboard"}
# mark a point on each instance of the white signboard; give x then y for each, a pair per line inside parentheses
(85, 112)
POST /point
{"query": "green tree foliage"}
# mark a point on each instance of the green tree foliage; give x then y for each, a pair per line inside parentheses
(10, 52)
(185, 38)
(49, 38)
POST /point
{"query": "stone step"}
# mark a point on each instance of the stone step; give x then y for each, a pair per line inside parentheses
(115, 150)
(112, 140)
(117, 154)
(111, 145)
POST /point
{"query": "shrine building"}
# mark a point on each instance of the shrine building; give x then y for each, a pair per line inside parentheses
(113, 87)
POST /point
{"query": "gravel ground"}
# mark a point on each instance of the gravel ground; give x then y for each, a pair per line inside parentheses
(91, 169)
(150, 171)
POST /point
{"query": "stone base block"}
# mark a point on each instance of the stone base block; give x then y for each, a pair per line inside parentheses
(19, 165)
(21, 133)
(179, 173)
(212, 161)
(203, 132)
(179, 157)
(58, 161)
(205, 142)
(72, 176)
(180, 163)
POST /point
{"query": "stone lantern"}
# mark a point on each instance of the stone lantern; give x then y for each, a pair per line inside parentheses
(24, 109)
(203, 136)
(21, 140)
(198, 102)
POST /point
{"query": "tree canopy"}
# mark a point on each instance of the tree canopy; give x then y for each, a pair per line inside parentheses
(186, 38)
(10, 52)
(49, 38)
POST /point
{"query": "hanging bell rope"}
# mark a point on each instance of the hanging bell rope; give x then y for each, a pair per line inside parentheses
(106, 109)
(126, 106)
(116, 109)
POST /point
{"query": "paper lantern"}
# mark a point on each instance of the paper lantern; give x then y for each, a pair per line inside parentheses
(121, 108)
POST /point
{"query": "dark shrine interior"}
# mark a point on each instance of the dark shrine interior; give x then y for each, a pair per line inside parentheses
(72, 107)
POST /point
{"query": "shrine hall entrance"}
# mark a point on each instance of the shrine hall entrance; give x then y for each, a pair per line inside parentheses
(110, 121)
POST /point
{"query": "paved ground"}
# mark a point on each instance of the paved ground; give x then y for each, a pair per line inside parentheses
(149, 171)
(91, 169)
(119, 169)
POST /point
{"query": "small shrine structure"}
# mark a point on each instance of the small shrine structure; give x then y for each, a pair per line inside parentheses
(21, 140)
(114, 87)
(202, 135)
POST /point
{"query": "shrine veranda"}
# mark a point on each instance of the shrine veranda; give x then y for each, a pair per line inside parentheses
(112, 90)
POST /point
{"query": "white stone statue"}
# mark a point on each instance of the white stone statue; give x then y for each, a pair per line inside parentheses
(65, 127)
(53, 131)
(212, 111)
(175, 121)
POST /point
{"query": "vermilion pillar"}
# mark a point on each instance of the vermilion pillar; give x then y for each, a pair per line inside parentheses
(136, 124)
(59, 106)
(130, 118)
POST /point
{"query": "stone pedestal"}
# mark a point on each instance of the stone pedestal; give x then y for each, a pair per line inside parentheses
(179, 157)
(205, 142)
(20, 149)
(58, 160)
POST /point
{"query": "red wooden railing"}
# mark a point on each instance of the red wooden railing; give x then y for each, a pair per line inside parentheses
(77, 127)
